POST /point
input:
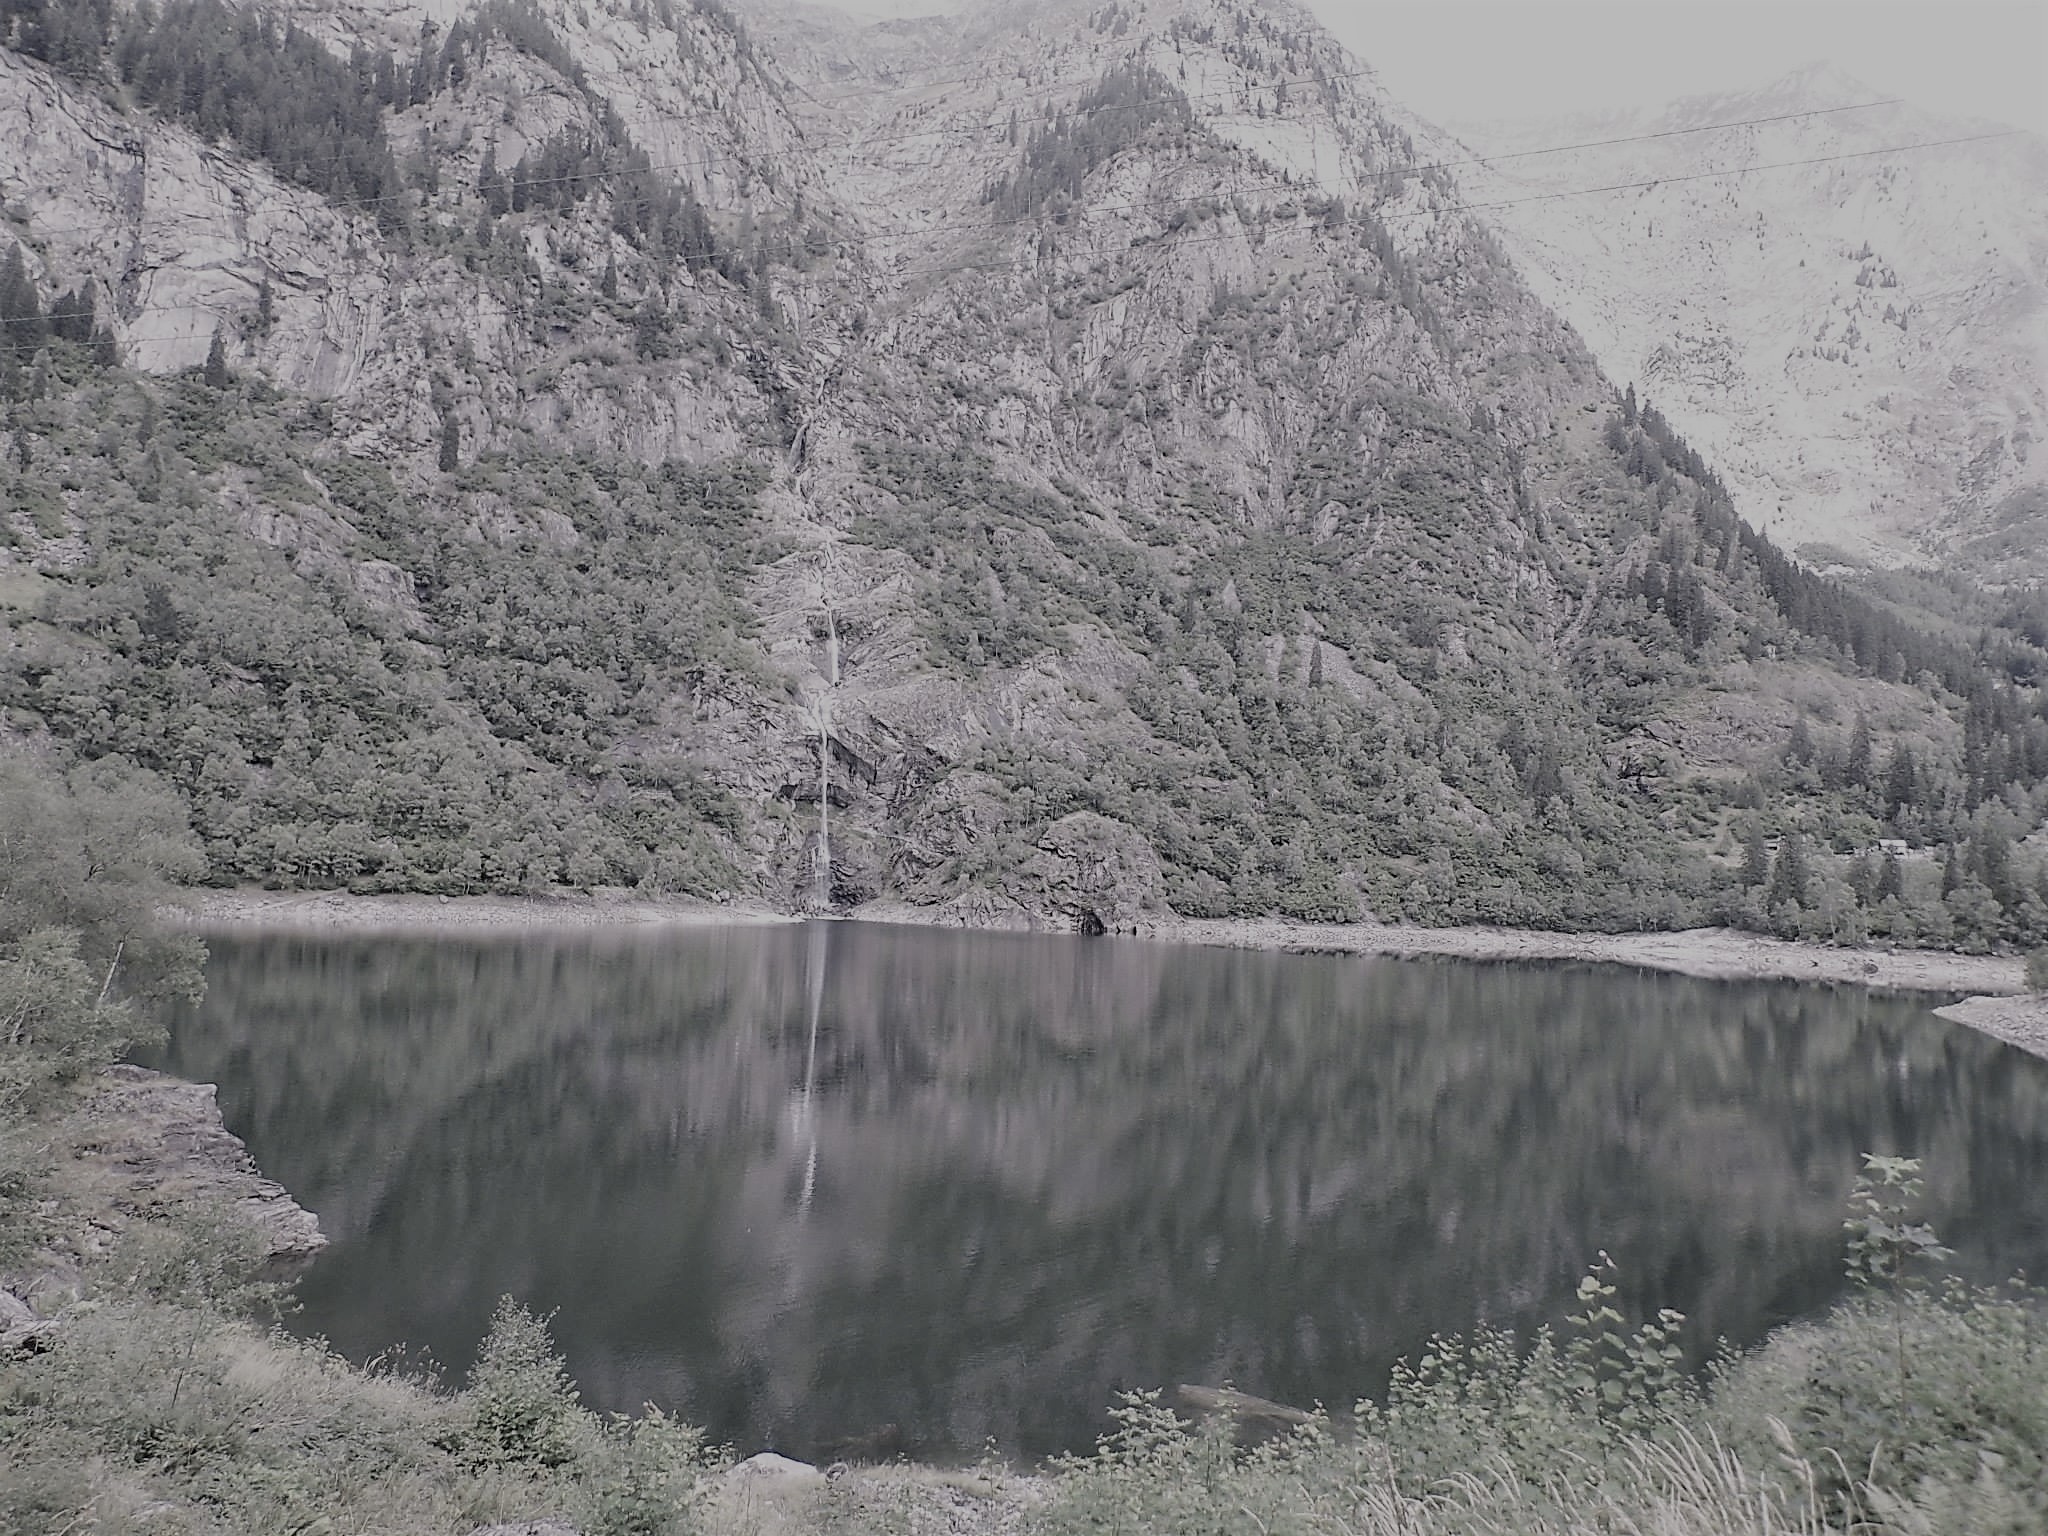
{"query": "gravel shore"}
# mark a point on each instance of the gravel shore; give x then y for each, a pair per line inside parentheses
(1995, 983)
(342, 912)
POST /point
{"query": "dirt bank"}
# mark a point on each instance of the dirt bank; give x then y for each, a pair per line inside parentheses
(2020, 1021)
(341, 912)
(1721, 953)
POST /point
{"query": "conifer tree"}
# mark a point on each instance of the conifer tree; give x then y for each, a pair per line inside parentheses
(451, 441)
(1800, 748)
(1901, 786)
(1789, 873)
(1756, 853)
(1857, 769)
(21, 311)
(217, 362)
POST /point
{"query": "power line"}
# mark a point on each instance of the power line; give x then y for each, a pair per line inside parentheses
(1434, 211)
(1389, 173)
(1543, 197)
(1386, 173)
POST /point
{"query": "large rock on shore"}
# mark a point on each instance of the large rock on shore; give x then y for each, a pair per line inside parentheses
(143, 1146)
(163, 1140)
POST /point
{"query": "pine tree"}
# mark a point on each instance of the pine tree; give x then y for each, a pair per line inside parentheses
(1800, 748)
(1756, 853)
(217, 362)
(1901, 781)
(1891, 879)
(609, 284)
(451, 441)
(1789, 875)
(21, 311)
(1315, 666)
(266, 309)
(1857, 769)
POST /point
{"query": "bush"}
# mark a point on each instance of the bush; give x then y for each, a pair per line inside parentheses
(2037, 971)
(521, 1405)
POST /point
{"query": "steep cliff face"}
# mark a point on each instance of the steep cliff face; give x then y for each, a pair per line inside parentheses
(1082, 455)
(1859, 340)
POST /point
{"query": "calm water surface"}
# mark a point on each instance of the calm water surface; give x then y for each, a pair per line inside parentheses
(846, 1189)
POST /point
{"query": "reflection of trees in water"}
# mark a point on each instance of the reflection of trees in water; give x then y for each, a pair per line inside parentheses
(1044, 1169)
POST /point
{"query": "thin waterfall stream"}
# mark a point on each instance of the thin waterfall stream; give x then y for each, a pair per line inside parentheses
(821, 894)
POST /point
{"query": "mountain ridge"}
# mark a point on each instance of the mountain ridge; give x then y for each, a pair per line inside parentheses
(1135, 483)
(1861, 344)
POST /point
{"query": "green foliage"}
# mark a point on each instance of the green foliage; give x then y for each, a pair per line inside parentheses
(83, 862)
(521, 1407)
(274, 91)
(646, 1483)
(1629, 1377)
(205, 1256)
(1930, 1396)
(484, 740)
(1127, 107)
(1882, 1241)
(68, 35)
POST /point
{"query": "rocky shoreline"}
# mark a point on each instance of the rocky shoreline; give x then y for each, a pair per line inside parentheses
(140, 1145)
(207, 911)
(1994, 985)
(1720, 953)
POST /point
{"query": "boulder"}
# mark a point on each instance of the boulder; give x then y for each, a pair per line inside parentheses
(1093, 874)
(780, 1468)
(162, 1137)
(21, 1331)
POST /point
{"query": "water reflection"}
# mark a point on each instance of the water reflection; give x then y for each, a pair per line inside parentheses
(844, 1183)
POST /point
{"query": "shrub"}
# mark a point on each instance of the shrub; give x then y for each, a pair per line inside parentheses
(521, 1407)
(2037, 971)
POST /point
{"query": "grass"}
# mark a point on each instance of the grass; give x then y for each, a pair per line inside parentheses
(167, 1405)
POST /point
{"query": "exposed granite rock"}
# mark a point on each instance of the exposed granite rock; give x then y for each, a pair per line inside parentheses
(2018, 1021)
(161, 1139)
(781, 1468)
(1094, 873)
(21, 1331)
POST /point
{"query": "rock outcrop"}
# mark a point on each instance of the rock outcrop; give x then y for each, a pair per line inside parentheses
(145, 1146)
(1855, 339)
(161, 1140)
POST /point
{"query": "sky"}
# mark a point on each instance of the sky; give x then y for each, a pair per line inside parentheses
(1463, 60)
(1460, 61)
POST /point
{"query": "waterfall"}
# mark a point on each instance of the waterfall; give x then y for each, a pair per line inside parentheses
(821, 894)
(822, 886)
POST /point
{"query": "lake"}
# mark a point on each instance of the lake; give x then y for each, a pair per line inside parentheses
(854, 1190)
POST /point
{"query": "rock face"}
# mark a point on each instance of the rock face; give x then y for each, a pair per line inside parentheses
(1162, 492)
(163, 1143)
(1859, 345)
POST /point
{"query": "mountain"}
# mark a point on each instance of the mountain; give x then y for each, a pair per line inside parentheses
(1086, 454)
(1857, 339)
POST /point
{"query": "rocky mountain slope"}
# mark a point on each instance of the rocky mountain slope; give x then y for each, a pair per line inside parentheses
(1082, 453)
(1859, 341)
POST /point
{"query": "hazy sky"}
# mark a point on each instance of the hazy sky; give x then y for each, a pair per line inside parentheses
(1456, 60)
(1461, 59)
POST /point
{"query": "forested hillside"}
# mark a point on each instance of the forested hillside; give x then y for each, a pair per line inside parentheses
(1147, 505)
